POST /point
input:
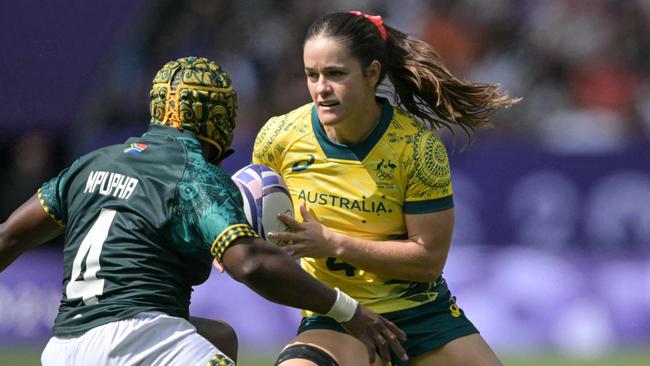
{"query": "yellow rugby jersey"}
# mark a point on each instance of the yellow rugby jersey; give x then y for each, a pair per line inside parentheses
(362, 191)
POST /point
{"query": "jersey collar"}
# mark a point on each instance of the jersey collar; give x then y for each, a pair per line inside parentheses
(155, 129)
(167, 133)
(352, 152)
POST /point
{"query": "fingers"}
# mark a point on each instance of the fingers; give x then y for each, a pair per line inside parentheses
(293, 251)
(382, 347)
(285, 236)
(387, 336)
(393, 336)
(379, 335)
(370, 346)
(304, 212)
(289, 221)
(394, 329)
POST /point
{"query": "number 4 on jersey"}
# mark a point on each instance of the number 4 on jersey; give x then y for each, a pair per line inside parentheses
(333, 265)
(89, 287)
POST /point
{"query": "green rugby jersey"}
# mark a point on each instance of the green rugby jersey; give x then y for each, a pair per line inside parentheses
(143, 221)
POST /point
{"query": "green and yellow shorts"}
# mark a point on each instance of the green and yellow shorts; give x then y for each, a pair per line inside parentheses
(427, 327)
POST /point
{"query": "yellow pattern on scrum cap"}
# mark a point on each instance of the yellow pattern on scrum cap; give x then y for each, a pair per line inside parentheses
(195, 94)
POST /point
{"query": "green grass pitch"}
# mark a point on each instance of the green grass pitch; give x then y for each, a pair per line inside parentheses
(30, 357)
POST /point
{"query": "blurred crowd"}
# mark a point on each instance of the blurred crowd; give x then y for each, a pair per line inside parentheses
(582, 68)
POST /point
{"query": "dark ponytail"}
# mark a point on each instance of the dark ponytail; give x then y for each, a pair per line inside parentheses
(423, 85)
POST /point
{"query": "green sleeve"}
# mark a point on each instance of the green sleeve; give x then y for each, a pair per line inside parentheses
(52, 197)
(207, 215)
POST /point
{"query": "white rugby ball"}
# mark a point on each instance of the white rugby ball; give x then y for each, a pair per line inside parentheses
(265, 196)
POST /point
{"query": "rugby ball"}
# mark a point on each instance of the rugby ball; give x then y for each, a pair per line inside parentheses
(265, 196)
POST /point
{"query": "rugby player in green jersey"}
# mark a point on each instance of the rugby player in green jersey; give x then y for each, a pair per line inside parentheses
(373, 185)
(144, 220)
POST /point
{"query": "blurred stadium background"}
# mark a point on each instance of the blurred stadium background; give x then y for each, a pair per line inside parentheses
(551, 255)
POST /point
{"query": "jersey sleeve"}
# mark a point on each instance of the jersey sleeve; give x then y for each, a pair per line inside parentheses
(208, 212)
(428, 187)
(51, 195)
(268, 148)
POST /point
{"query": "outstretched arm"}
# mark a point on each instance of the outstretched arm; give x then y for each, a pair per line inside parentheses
(27, 227)
(267, 270)
(419, 258)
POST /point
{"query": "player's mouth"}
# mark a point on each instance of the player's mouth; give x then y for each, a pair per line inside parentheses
(328, 104)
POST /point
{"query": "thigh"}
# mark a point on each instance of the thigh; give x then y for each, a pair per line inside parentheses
(344, 348)
(431, 326)
(160, 339)
(470, 350)
(219, 333)
(55, 353)
(145, 339)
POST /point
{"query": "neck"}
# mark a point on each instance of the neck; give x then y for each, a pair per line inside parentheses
(356, 128)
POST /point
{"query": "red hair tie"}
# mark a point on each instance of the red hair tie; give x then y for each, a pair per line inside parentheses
(376, 20)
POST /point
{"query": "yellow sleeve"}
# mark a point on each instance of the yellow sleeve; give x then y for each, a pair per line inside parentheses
(268, 149)
(428, 187)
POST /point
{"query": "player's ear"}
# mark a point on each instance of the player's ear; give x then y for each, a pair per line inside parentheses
(373, 72)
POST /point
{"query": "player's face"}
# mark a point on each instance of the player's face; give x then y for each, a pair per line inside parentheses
(336, 82)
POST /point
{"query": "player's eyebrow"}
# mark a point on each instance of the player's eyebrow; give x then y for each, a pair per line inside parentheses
(327, 68)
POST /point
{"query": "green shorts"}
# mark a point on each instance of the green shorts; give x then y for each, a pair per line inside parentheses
(427, 327)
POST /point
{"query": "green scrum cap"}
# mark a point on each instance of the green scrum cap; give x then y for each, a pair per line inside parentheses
(195, 94)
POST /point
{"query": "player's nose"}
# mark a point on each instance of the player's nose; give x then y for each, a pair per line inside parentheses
(323, 86)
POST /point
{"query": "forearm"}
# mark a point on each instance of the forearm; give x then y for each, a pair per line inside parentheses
(9, 251)
(397, 259)
(272, 274)
(26, 228)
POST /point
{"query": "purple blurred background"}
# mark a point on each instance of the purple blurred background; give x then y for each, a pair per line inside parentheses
(552, 245)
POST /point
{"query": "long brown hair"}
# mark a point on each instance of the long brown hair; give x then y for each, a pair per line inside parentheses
(423, 85)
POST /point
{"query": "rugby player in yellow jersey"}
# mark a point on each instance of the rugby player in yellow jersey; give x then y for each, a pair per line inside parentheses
(372, 183)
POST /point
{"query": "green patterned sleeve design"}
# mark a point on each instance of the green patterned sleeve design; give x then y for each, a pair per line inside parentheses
(429, 178)
(207, 215)
(51, 198)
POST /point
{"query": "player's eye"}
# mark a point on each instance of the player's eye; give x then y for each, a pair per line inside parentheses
(336, 73)
(312, 76)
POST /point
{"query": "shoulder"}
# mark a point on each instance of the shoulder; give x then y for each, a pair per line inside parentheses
(199, 171)
(406, 123)
(413, 132)
(280, 132)
(425, 155)
(412, 137)
(80, 165)
(286, 124)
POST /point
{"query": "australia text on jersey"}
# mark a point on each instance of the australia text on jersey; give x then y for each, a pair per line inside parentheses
(328, 199)
(111, 184)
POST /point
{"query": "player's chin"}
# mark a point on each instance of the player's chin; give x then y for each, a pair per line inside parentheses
(329, 118)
